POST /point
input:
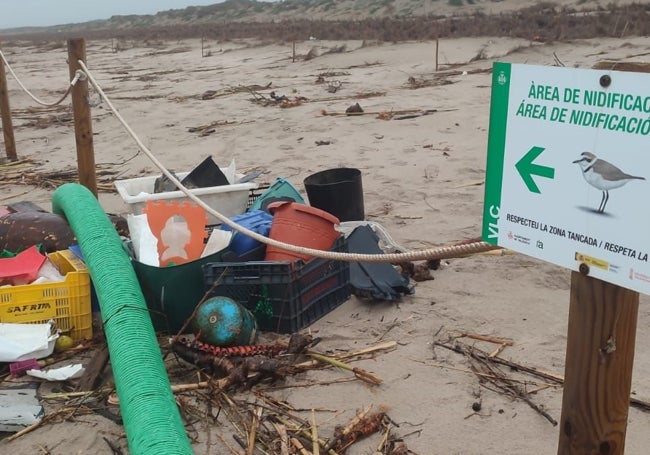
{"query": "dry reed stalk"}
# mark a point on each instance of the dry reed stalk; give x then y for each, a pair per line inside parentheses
(384, 440)
(252, 434)
(306, 434)
(284, 438)
(298, 445)
(314, 434)
(358, 418)
(360, 373)
(385, 346)
(489, 339)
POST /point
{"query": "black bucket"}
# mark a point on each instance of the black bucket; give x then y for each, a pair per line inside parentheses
(338, 191)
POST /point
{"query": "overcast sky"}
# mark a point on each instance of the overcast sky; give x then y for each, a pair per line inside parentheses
(22, 13)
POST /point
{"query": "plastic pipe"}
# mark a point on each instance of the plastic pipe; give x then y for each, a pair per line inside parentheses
(151, 418)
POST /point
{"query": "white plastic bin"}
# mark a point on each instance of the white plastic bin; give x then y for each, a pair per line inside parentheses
(230, 200)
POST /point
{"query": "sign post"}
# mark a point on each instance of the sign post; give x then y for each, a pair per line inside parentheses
(567, 170)
(598, 371)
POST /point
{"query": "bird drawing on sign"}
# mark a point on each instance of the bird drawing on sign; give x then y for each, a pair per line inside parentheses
(603, 175)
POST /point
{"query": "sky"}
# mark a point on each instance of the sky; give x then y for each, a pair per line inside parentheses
(24, 13)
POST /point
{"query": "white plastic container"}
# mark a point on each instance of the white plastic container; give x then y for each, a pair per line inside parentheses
(230, 200)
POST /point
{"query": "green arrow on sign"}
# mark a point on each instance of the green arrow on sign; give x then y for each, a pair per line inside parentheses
(527, 169)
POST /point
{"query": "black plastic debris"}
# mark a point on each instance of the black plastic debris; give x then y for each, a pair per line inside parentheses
(205, 175)
(376, 280)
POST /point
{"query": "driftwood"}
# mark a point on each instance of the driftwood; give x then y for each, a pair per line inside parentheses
(28, 172)
(266, 425)
(492, 378)
(259, 422)
(93, 372)
(442, 78)
(209, 128)
(639, 67)
(492, 358)
(212, 94)
(275, 99)
(415, 115)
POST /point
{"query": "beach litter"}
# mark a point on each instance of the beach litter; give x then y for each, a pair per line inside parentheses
(19, 407)
(20, 342)
(63, 373)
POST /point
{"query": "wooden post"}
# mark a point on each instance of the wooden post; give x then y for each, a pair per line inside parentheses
(293, 58)
(5, 113)
(83, 130)
(598, 372)
(437, 45)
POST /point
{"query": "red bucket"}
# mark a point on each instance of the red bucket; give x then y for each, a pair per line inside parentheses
(300, 225)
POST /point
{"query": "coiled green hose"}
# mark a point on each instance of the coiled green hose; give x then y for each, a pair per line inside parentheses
(151, 418)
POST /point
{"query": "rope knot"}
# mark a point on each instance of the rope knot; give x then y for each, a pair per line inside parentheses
(79, 75)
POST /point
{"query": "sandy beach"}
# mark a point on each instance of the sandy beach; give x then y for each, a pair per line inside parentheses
(422, 179)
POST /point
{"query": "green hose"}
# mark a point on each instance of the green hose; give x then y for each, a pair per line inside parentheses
(151, 418)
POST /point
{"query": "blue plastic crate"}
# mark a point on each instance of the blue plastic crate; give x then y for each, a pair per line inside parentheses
(257, 221)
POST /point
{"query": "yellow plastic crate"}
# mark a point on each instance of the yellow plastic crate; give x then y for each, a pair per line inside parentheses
(66, 302)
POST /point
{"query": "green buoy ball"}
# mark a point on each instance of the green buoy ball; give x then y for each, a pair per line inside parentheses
(220, 321)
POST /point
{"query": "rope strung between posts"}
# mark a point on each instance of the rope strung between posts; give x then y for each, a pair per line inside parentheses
(78, 75)
(443, 252)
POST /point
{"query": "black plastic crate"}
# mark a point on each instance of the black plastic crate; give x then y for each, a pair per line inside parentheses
(285, 297)
(255, 193)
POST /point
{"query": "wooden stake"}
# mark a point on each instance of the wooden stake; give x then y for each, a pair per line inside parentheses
(437, 46)
(93, 372)
(5, 113)
(83, 130)
(293, 58)
(598, 372)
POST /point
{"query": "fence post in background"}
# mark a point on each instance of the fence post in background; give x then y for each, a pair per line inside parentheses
(437, 46)
(5, 111)
(83, 130)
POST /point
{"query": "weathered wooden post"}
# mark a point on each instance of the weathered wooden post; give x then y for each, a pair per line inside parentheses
(5, 112)
(437, 46)
(598, 371)
(82, 120)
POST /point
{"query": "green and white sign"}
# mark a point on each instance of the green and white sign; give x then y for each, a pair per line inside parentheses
(568, 169)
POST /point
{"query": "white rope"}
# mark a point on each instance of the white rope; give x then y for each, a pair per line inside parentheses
(78, 75)
(432, 253)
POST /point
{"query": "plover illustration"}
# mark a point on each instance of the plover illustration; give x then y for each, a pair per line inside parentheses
(603, 175)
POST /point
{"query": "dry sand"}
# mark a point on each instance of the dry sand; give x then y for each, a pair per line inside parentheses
(421, 181)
